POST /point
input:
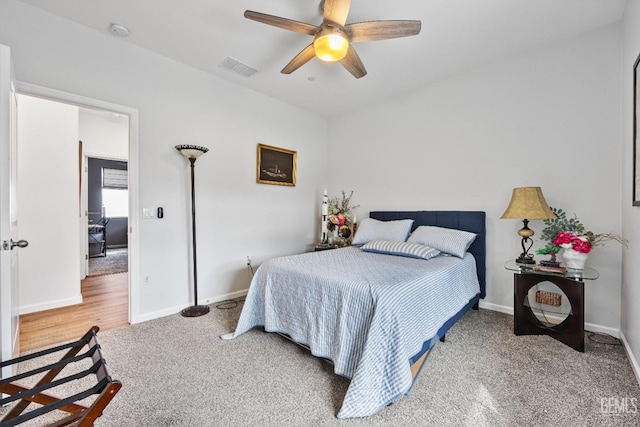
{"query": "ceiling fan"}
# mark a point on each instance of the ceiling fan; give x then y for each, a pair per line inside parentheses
(333, 37)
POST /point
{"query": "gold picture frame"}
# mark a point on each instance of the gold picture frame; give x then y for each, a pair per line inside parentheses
(276, 166)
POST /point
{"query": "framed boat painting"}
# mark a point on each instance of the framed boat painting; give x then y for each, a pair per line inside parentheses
(276, 166)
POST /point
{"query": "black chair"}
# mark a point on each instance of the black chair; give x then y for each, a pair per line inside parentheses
(98, 237)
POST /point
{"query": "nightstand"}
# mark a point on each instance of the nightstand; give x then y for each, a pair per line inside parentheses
(324, 246)
(547, 303)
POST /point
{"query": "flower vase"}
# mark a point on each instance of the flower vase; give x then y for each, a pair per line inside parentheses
(573, 259)
(333, 236)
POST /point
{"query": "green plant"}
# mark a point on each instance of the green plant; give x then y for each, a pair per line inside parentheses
(563, 224)
(559, 224)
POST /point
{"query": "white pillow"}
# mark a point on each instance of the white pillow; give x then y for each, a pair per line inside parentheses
(372, 229)
(406, 249)
(447, 240)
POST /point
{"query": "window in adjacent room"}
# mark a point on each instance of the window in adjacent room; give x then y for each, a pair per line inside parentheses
(115, 193)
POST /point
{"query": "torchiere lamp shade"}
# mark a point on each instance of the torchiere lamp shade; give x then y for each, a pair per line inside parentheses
(527, 203)
(191, 151)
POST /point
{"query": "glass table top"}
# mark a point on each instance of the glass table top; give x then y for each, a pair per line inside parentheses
(587, 273)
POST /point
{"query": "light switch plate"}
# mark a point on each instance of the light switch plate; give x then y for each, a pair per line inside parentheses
(148, 213)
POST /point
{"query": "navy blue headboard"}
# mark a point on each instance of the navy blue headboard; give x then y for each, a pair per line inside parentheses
(473, 221)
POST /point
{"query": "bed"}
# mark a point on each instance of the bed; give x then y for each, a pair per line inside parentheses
(374, 312)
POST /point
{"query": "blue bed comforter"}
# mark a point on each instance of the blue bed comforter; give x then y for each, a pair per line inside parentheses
(369, 313)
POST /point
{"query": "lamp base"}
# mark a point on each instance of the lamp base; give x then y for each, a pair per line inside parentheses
(195, 311)
(525, 259)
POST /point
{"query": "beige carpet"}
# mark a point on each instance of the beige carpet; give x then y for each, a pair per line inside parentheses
(176, 371)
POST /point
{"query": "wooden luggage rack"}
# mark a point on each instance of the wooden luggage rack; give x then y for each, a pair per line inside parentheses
(80, 415)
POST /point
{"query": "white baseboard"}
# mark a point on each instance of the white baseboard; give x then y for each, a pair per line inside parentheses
(592, 327)
(25, 309)
(220, 298)
(160, 313)
(495, 307)
(631, 356)
(177, 309)
(587, 326)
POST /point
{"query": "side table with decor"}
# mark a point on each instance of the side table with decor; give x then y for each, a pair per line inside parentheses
(324, 246)
(538, 307)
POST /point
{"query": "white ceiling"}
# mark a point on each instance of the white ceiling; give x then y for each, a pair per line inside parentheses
(456, 35)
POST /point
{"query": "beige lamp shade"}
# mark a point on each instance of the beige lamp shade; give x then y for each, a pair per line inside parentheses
(528, 203)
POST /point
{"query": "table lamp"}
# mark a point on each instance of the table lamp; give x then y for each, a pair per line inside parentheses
(527, 203)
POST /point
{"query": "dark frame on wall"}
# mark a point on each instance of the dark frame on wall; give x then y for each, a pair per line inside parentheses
(276, 166)
(636, 152)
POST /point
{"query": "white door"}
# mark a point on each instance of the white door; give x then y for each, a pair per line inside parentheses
(9, 331)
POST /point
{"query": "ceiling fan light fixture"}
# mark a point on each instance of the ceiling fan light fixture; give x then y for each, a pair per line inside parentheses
(330, 44)
(333, 38)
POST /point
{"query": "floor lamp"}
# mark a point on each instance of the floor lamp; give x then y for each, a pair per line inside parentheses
(192, 152)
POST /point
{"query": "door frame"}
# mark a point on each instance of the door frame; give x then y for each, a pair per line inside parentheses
(86, 102)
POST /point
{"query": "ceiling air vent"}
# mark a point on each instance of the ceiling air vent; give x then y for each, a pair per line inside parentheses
(237, 67)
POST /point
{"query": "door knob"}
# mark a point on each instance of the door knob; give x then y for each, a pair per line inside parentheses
(19, 243)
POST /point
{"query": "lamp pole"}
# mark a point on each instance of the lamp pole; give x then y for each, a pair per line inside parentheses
(192, 152)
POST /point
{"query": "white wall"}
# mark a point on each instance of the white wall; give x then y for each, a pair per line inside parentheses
(630, 214)
(180, 105)
(48, 204)
(548, 118)
(104, 134)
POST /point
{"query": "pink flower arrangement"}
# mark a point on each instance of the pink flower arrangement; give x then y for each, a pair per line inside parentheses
(572, 241)
(337, 220)
(340, 211)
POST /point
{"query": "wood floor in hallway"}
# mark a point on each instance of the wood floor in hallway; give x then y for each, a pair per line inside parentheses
(105, 304)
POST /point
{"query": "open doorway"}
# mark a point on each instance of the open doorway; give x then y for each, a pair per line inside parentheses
(63, 308)
(107, 216)
(104, 144)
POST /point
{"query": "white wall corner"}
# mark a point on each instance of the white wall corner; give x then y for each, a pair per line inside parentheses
(632, 358)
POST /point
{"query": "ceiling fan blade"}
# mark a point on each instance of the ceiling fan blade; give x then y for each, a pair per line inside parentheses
(300, 59)
(276, 21)
(336, 11)
(382, 30)
(353, 63)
